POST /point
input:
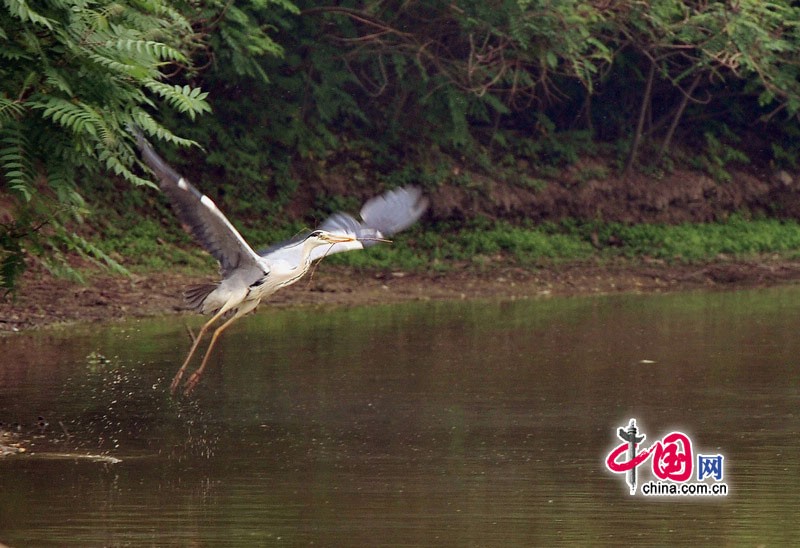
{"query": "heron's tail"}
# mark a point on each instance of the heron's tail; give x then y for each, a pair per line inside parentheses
(195, 295)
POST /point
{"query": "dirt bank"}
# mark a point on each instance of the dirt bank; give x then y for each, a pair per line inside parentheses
(43, 300)
(580, 192)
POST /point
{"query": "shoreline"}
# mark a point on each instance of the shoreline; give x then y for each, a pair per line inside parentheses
(43, 300)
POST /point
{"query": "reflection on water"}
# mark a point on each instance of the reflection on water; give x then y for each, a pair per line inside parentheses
(480, 423)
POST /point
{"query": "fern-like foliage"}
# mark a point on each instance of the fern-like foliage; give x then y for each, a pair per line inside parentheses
(76, 117)
(12, 254)
(84, 71)
(74, 75)
(15, 162)
(184, 99)
(150, 126)
(10, 110)
(24, 12)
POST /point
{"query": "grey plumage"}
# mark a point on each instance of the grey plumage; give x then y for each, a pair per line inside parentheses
(247, 276)
(200, 216)
(382, 216)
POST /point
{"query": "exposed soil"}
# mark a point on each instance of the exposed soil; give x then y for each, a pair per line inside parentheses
(671, 197)
(679, 196)
(43, 300)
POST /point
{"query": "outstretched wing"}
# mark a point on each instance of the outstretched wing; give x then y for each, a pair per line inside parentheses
(394, 211)
(382, 216)
(200, 216)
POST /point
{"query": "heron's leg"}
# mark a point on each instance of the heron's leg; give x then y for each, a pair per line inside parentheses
(177, 379)
(192, 381)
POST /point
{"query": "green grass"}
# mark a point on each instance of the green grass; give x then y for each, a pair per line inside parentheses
(484, 244)
(736, 238)
(571, 241)
(147, 246)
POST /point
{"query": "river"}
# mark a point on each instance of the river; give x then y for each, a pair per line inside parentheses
(475, 423)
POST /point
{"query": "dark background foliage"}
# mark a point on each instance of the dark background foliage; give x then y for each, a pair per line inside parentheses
(302, 107)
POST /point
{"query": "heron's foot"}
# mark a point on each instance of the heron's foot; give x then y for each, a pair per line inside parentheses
(191, 383)
(176, 381)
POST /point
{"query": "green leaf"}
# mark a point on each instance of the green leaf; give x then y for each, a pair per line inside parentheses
(184, 99)
(22, 10)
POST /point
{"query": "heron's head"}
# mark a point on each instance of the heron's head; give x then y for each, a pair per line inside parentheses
(323, 237)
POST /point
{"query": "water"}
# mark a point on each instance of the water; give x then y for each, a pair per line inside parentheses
(425, 424)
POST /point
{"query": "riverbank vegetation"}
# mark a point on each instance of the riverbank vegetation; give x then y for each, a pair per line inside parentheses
(480, 245)
(544, 130)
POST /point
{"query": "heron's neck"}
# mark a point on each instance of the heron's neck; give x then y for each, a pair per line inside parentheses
(305, 257)
(285, 274)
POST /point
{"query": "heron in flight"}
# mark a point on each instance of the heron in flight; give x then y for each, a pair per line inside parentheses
(248, 276)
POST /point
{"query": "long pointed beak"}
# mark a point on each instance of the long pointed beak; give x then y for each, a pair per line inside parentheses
(335, 239)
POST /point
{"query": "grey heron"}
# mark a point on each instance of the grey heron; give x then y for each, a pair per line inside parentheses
(247, 277)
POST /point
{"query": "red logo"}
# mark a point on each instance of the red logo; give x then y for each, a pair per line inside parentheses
(672, 459)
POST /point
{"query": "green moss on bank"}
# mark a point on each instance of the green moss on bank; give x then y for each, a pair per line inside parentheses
(484, 245)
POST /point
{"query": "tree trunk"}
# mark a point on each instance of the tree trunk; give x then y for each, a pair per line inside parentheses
(637, 137)
(676, 119)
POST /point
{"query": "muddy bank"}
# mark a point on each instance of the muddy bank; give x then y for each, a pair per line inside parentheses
(43, 300)
(673, 197)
